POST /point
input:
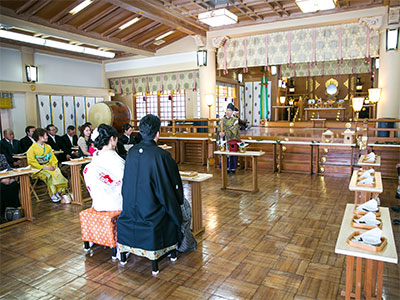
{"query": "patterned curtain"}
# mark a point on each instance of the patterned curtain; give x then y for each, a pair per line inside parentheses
(330, 68)
(329, 43)
(63, 111)
(187, 80)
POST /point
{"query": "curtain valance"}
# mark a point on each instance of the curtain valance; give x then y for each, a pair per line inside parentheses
(356, 66)
(329, 43)
(152, 83)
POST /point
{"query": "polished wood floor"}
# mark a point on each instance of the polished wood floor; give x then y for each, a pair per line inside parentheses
(275, 244)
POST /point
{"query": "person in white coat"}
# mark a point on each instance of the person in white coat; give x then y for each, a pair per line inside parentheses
(103, 176)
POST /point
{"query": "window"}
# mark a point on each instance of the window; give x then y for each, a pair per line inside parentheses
(165, 109)
(161, 106)
(152, 103)
(179, 105)
(140, 106)
(225, 94)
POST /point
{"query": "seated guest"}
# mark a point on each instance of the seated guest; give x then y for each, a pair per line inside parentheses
(9, 189)
(84, 141)
(152, 193)
(40, 156)
(27, 140)
(9, 147)
(56, 142)
(103, 176)
(127, 138)
(70, 140)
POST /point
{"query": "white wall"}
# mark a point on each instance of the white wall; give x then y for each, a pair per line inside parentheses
(66, 71)
(152, 65)
(186, 44)
(17, 115)
(10, 65)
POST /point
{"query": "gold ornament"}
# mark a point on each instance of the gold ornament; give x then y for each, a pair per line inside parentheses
(348, 125)
(283, 148)
(322, 170)
(33, 88)
(291, 124)
(326, 150)
(286, 139)
(350, 119)
(323, 159)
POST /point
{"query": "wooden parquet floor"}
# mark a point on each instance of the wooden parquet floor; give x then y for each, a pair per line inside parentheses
(274, 244)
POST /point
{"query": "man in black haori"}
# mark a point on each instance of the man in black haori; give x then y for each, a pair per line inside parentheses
(150, 222)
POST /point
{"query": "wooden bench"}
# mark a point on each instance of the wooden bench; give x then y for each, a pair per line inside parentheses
(317, 121)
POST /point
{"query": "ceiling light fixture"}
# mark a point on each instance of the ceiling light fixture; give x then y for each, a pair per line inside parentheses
(164, 35)
(307, 6)
(129, 23)
(219, 17)
(80, 6)
(53, 44)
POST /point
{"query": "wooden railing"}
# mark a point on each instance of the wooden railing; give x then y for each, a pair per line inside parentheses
(372, 127)
(185, 126)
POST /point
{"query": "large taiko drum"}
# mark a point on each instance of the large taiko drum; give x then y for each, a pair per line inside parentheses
(112, 113)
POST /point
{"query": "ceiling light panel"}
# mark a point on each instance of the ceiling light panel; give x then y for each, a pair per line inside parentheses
(165, 35)
(129, 23)
(80, 6)
(219, 17)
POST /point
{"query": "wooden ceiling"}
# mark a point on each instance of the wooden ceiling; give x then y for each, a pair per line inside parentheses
(98, 24)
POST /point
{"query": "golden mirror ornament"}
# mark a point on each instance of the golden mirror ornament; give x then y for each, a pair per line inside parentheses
(323, 159)
(348, 125)
(325, 150)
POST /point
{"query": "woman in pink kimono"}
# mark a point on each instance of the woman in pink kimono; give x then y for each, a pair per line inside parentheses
(103, 176)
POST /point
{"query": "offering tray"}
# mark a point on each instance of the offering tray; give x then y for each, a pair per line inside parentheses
(188, 173)
(364, 226)
(363, 212)
(5, 172)
(359, 179)
(372, 248)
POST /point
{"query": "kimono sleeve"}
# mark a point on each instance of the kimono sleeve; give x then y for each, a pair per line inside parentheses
(169, 189)
(53, 159)
(30, 157)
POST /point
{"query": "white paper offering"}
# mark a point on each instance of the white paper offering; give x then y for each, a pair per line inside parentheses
(369, 206)
(368, 219)
(367, 174)
(369, 180)
(370, 237)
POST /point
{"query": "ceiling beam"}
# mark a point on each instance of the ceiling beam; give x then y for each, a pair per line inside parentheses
(25, 6)
(282, 8)
(250, 10)
(9, 17)
(94, 19)
(65, 11)
(36, 7)
(151, 39)
(241, 10)
(158, 12)
(110, 16)
(113, 30)
(273, 8)
(143, 30)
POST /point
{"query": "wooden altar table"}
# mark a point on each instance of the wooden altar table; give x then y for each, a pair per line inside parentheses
(364, 193)
(253, 154)
(197, 207)
(373, 271)
(25, 194)
(75, 167)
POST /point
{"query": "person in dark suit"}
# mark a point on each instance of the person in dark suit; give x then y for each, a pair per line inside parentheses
(56, 142)
(70, 140)
(27, 140)
(126, 138)
(9, 147)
